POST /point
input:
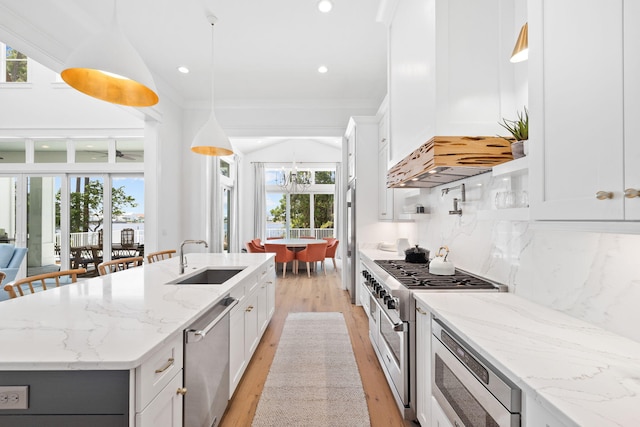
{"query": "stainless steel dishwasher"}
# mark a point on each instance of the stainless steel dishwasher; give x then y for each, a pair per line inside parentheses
(206, 366)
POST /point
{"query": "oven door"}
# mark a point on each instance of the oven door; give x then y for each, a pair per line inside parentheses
(374, 321)
(465, 401)
(393, 346)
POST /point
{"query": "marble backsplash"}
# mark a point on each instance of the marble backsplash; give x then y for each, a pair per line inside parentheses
(591, 276)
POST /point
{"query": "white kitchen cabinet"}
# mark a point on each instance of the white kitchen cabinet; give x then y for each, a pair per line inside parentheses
(423, 364)
(351, 156)
(584, 104)
(248, 321)
(165, 410)
(385, 195)
(534, 415)
(438, 417)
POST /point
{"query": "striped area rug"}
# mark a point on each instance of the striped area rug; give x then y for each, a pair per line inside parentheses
(314, 379)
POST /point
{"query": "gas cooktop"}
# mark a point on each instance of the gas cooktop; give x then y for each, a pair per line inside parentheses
(417, 276)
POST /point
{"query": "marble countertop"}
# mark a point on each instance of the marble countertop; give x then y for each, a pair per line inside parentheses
(580, 373)
(114, 321)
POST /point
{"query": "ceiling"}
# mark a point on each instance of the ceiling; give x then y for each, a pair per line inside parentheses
(264, 51)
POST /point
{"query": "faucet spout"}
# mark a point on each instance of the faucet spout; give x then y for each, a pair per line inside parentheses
(183, 262)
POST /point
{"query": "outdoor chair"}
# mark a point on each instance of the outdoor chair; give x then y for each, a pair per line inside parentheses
(283, 255)
(42, 282)
(119, 264)
(10, 259)
(314, 252)
(160, 255)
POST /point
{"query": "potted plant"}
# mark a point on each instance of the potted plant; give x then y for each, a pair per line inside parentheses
(519, 130)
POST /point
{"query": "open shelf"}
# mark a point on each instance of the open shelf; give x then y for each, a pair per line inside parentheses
(520, 165)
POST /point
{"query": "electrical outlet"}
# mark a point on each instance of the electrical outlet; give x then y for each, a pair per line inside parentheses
(14, 397)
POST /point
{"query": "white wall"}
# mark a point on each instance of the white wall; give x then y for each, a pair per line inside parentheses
(591, 276)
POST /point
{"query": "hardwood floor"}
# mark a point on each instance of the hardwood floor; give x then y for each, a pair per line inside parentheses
(298, 293)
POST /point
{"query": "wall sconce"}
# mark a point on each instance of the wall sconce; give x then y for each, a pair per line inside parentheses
(211, 139)
(109, 68)
(521, 49)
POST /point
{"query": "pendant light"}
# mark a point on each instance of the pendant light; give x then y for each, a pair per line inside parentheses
(108, 67)
(521, 49)
(211, 139)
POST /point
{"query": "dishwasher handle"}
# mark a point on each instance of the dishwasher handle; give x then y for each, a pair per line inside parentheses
(196, 335)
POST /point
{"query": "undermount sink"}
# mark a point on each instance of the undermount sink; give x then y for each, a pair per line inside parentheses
(211, 276)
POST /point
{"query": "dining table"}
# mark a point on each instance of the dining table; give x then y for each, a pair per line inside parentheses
(294, 243)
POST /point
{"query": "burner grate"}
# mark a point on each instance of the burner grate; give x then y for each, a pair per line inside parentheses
(417, 276)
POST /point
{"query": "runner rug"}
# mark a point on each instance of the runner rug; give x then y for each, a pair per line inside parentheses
(314, 379)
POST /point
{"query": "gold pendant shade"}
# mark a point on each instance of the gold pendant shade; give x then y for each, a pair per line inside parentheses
(521, 49)
(109, 68)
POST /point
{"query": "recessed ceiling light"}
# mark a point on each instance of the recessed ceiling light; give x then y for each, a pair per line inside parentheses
(325, 6)
(89, 146)
(45, 146)
(183, 69)
(322, 69)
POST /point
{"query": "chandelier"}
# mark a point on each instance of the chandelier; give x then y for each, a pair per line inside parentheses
(293, 181)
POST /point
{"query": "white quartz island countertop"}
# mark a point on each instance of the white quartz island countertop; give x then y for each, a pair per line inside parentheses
(114, 321)
(580, 373)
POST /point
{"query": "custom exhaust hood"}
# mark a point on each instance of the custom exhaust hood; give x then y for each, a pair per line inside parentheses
(445, 159)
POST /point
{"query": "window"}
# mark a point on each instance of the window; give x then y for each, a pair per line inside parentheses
(305, 210)
(15, 65)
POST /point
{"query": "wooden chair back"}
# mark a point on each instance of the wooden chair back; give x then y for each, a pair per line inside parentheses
(47, 280)
(119, 264)
(160, 255)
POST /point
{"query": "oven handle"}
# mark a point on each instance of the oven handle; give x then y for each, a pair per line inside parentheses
(398, 327)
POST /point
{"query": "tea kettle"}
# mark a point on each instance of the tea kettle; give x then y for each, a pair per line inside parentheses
(439, 264)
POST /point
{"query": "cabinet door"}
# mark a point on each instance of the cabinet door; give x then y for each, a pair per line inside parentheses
(423, 365)
(263, 307)
(271, 297)
(632, 106)
(385, 195)
(251, 326)
(237, 361)
(166, 409)
(536, 416)
(438, 417)
(576, 99)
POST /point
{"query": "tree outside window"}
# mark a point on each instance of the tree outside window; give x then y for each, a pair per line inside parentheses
(15, 66)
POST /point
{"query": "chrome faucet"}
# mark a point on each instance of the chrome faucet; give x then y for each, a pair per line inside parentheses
(183, 259)
(456, 208)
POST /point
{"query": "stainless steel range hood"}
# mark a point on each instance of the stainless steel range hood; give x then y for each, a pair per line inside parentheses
(445, 159)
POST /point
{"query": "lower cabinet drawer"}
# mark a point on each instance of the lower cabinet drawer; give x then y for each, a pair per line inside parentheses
(156, 372)
(166, 409)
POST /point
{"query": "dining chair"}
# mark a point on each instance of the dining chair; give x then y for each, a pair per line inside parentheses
(257, 242)
(283, 255)
(314, 252)
(160, 255)
(119, 264)
(251, 248)
(46, 280)
(332, 246)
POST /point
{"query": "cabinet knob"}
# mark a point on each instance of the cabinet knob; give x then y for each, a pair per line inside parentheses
(630, 193)
(604, 195)
(249, 308)
(421, 311)
(182, 391)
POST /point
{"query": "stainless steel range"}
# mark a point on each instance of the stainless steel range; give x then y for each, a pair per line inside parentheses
(390, 285)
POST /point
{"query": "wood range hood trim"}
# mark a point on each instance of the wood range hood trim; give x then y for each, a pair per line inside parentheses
(444, 159)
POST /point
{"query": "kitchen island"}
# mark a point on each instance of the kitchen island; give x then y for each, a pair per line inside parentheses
(571, 373)
(115, 324)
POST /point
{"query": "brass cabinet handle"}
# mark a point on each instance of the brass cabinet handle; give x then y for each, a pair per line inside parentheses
(182, 391)
(421, 311)
(165, 366)
(630, 193)
(604, 195)
(249, 308)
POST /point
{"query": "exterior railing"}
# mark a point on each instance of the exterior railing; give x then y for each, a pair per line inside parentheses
(295, 233)
(91, 238)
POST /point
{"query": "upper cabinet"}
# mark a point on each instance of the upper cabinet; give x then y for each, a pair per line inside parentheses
(385, 195)
(584, 109)
(449, 70)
